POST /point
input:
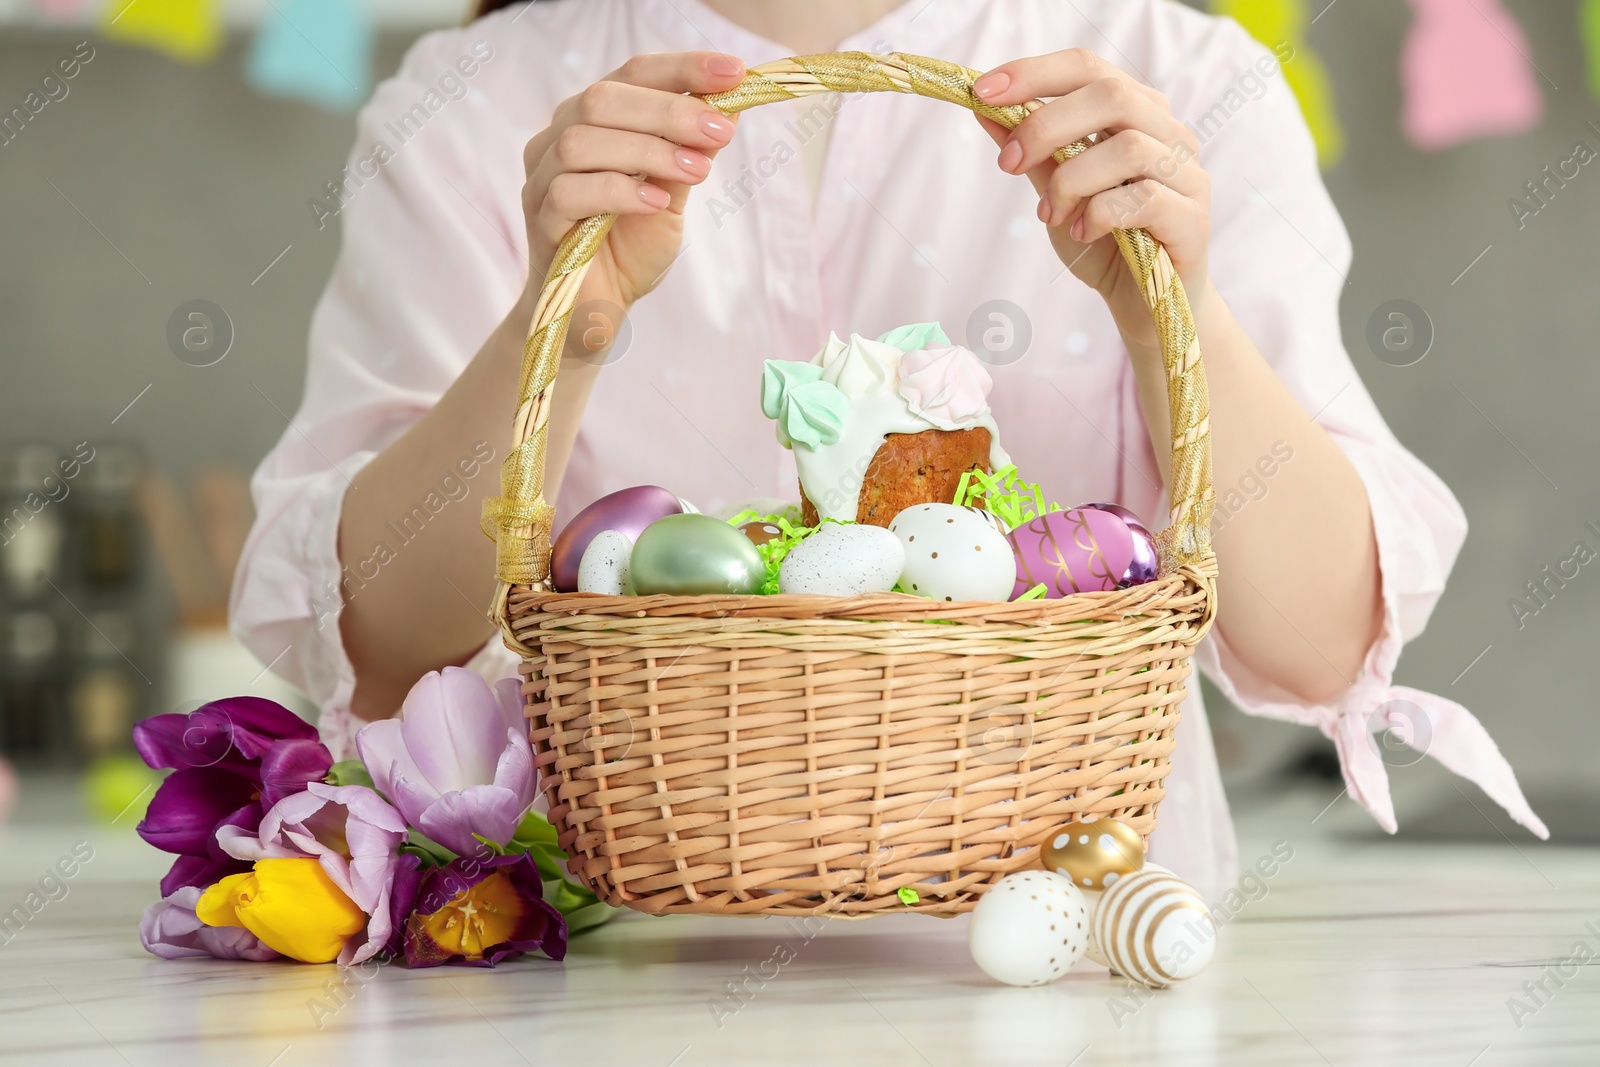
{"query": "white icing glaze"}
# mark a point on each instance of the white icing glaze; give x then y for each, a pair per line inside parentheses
(868, 373)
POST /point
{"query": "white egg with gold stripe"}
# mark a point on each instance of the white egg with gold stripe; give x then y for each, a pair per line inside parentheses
(1153, 927)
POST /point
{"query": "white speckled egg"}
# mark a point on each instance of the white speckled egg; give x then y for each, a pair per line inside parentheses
(1154, 928)
(843, 560)
(604, 567)
(952, 554)
(1029, 929)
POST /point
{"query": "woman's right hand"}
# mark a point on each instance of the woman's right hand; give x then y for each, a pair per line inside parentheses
(631, 144)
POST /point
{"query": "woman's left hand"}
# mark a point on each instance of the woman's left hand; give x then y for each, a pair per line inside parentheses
(1144, 171)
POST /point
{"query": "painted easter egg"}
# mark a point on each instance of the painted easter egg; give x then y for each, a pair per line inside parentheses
(989, 517)
(689, 555)
(605, 565)
(1093, 854)
(843, 560)
(1029, 928)
(1146, 562)
(1071, 552)
(1125, 514)
(761, 533)
(628, 511)
(1153, 927)
(1091, 948)
(952, 554)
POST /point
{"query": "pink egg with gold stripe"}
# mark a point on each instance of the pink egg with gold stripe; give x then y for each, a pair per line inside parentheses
(1071, 552)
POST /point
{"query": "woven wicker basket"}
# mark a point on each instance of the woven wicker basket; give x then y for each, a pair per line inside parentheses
(802, 754)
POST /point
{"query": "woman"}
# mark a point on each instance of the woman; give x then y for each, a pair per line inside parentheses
(367, 567)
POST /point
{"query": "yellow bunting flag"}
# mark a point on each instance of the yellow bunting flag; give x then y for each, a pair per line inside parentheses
(1279, 22)
(1589, 34)
(184, 29)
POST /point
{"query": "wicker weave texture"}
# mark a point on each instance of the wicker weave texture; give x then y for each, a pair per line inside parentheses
(757, 756)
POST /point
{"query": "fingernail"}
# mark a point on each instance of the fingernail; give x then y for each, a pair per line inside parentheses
(1077, 229)
(725, 66)
(1010, 157)
(716, 126)
(693, 162)
(1044, 210)
(654, 195)
(991, 85)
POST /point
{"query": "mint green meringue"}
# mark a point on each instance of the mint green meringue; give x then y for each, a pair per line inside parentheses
(778, 376)
(809, 411)
(916, 335)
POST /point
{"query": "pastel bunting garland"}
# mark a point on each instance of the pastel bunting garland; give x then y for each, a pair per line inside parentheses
(1284, 22)
(1589, 34)
(319, 51)
(1465, 74)
(187, 30)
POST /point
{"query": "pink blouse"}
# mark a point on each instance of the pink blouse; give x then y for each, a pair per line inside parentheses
(912, 222)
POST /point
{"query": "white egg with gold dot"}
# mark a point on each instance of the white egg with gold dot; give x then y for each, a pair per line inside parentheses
(953, 554)
(1029, 928)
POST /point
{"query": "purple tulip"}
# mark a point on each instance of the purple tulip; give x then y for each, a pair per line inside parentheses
(457, 762)
(232, 760)
(231, 734)
(170, 930)
(348, 829)
(476, 912)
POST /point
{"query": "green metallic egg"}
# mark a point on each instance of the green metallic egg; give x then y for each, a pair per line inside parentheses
(689, 555)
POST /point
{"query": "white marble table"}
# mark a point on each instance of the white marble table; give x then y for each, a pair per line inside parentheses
(1359, 953)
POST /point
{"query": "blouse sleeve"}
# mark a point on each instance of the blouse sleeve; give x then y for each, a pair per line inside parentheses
(430, 264)
(1279, 257)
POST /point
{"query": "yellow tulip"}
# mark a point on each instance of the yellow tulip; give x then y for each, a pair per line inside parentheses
(290, 904)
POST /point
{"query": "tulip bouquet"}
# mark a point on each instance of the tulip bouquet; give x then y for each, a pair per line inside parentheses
(426, 849)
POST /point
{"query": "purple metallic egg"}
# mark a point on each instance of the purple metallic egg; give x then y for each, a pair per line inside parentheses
(1071, 552)
(628, 511)
(1125, 514)
(1146, 561)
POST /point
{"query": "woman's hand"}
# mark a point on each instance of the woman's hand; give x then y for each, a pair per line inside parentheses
(632, 144)
(1144, 171)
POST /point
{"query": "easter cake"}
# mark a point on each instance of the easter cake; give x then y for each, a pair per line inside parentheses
(879, 426)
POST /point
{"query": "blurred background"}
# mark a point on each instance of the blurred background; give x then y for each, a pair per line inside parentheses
(161, 266)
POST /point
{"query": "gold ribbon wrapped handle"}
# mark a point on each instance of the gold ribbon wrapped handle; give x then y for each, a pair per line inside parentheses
(520, 520)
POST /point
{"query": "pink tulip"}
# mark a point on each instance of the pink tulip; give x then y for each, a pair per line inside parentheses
(170, 930)
(351, 832)
(457, 762)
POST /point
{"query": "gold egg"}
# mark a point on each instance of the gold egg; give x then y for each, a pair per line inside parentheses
(1094, 854)
(760, 533)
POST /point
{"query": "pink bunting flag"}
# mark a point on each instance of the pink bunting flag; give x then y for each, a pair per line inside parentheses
(1465, 72)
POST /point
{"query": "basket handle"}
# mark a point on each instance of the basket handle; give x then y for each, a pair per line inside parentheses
(520, 519)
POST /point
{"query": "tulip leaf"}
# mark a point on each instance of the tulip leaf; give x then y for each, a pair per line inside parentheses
(535, 829)
(577, 904)
(494, 847)
(349, 772)
(430, 851)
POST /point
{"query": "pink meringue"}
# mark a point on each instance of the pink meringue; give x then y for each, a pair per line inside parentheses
(947, 385)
